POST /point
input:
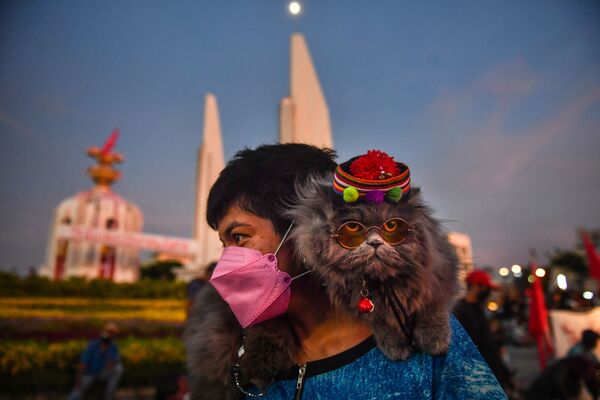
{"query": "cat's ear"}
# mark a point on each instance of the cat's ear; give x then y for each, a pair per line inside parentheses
(414, 197)
(313, 198)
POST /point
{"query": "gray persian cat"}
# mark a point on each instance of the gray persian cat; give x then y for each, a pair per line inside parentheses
(413, 285)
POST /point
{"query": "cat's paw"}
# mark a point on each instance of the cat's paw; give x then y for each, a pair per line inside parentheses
(433, 338)
(393, 345)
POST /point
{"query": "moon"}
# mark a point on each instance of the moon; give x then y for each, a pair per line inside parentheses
(294, 7)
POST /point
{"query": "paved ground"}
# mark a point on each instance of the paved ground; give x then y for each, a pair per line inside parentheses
(524, 360)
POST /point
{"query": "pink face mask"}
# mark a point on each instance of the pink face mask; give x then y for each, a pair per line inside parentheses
(251, 284)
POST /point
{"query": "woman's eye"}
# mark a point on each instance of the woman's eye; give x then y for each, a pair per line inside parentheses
(237, 237)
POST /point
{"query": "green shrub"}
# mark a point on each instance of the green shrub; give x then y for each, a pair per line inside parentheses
(160, 270)
(12, 285)
(54, 329)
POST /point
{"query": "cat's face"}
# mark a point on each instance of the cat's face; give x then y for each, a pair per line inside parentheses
(409, 264)
(412, 284)
(375, 258)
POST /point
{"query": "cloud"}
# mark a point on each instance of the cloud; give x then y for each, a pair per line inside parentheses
(507, 154)
(508, 81)
(503, 85)
(11, 123)
(476, 139)
(51, 105)
(515, 169)
(39, 103)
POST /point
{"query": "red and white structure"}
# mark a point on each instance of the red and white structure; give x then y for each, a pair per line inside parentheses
(99, 208)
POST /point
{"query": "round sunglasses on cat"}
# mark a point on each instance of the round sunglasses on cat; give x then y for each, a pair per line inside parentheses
(352, 234)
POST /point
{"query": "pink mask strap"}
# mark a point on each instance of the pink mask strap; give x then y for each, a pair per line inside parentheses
(302, 274)
(285, 235)
(284, 238)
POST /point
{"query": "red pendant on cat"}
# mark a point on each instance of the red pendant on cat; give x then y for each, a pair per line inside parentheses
(365, 305)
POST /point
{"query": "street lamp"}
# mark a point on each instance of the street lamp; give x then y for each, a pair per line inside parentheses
(561, 281)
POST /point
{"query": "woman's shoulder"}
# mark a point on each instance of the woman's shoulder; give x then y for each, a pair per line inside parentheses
(461, 372)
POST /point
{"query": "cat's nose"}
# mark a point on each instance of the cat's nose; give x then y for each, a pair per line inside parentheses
(375, 242)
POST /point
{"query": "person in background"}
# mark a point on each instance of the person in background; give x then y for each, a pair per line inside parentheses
(558, 300)
(511, 317)
(470, 311)
(173, 385)
(575, 377)
(99, 361)
(586, 346)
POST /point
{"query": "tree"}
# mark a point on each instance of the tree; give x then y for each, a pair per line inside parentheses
(160, 270)
(569, 260)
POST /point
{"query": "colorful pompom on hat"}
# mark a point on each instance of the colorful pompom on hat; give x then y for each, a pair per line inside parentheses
(372, 177)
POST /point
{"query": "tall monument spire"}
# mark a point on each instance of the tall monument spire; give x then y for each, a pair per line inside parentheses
(303, 115)
(210, 163)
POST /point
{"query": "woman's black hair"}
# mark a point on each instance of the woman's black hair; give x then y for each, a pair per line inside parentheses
(263, 181)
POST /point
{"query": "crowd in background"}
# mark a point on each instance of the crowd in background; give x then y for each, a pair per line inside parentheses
(497, 317)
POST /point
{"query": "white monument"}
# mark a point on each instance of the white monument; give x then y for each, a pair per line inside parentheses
(303, 115)
(210, 162)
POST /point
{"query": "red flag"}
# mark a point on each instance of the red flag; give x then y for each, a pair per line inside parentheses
(110, 142)
(593, 259)
(538, 319)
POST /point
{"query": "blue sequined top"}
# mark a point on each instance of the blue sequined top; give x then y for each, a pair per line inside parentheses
(461, 374)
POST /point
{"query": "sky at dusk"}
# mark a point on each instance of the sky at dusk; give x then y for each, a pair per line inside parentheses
(495, 106)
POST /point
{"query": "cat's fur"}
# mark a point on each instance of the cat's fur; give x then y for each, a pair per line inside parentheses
(420, 273)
